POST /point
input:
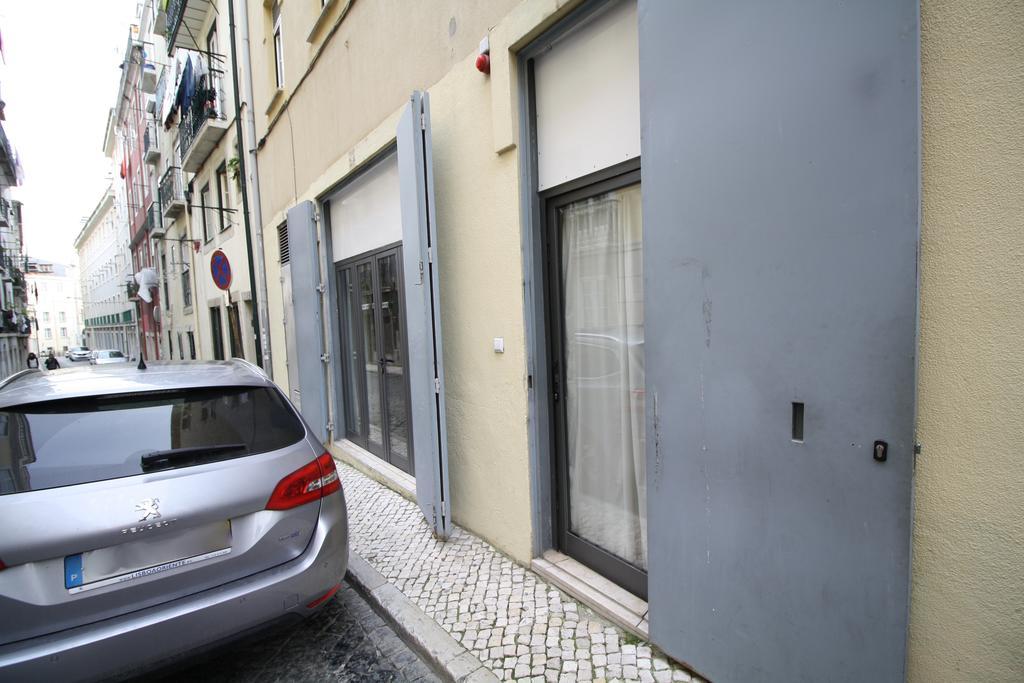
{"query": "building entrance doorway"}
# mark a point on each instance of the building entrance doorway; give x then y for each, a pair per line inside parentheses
(375, 381)
(595, 285)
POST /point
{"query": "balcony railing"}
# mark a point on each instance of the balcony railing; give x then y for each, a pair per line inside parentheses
(14, 264)
(151, 143)
(185, 20)
(204, 110)
(175, 13)
(172, 192)
(7, 161)
(153, 221)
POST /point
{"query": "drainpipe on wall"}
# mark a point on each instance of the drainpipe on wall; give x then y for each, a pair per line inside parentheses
(246, 140)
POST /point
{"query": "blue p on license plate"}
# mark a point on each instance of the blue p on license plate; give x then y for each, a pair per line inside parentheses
(145, 557)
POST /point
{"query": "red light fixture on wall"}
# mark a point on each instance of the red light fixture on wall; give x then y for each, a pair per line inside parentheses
(483, 64)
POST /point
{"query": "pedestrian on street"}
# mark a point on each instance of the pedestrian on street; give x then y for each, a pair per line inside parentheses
(33, 360)
(51, 362)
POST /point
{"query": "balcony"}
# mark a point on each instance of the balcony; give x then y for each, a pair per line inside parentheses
(151, 143)
(160, 21)
(8, 163)
(154, 223)
(5, 213)
(202, 126)
(185, 19)
(172, 193)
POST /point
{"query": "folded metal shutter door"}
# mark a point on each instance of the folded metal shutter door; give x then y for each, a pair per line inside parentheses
(423, 314)
(306, 312)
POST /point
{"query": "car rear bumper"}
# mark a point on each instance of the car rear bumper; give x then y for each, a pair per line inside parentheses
(132, 643)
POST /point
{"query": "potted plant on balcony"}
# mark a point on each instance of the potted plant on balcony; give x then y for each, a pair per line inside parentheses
(210, 104)
(234, 167)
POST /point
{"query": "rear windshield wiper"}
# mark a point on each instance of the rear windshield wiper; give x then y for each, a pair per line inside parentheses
(191, 455)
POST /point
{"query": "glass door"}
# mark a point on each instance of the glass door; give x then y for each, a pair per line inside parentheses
(596, 289)
(375, 383)
(395, 387)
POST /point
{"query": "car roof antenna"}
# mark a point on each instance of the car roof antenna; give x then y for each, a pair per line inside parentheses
(142, 362)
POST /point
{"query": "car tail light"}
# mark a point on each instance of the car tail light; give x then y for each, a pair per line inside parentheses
(324, 598)
(2, 566)
(306, 484)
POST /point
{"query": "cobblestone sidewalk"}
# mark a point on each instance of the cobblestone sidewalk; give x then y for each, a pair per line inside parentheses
(518, 625)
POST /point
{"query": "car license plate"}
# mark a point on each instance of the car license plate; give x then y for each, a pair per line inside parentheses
(145, 557)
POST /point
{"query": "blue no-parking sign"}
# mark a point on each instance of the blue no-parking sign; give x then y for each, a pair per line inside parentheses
(220, 269)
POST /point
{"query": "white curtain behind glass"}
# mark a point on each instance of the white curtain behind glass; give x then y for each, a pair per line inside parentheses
(602, 271)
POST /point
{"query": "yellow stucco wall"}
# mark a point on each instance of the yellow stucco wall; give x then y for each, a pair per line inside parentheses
(967, 603)
(477, 201)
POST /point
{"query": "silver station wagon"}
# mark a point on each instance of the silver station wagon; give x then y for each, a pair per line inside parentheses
(146, 514)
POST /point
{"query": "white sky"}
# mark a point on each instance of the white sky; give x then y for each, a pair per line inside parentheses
(59, 81)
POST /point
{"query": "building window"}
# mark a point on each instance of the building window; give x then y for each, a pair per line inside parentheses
(186, 287)
(222, 196)
(63, 316)
(213, 61)
(181, 348)
(204, 203)
(63, 332)
(191, 345)
(278, 47)
(186, 278)
(46, 316)
(48, 333)
(170, 345)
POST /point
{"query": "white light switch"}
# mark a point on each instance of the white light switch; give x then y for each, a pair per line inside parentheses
(499, 345)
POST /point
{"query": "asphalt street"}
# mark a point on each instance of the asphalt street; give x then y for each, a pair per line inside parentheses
(345, 641)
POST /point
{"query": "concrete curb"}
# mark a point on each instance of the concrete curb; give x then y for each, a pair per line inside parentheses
(454, 662)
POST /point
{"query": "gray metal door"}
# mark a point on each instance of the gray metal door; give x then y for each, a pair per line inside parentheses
(306, 311)
(423, 314)
(780, 203)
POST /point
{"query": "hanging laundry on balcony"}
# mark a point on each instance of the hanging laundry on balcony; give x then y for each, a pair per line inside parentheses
(201, 68)
(169, 105)
(186, 86)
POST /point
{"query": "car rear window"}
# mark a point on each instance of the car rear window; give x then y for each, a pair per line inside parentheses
(75, 441)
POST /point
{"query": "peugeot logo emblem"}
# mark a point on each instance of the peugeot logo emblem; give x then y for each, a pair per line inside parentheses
(148, 508)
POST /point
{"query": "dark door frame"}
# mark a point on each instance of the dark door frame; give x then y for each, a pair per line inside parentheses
(621, 175)
(360, 434)
(217, 331)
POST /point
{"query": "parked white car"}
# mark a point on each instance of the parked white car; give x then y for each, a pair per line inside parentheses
(78, 353)
(105, 356)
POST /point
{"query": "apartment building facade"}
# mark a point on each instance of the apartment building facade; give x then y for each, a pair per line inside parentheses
(15, 307)
(105, 269)
(661, 300)
(15, 304)
(206, 247)
(134, 141)
(56, 300)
